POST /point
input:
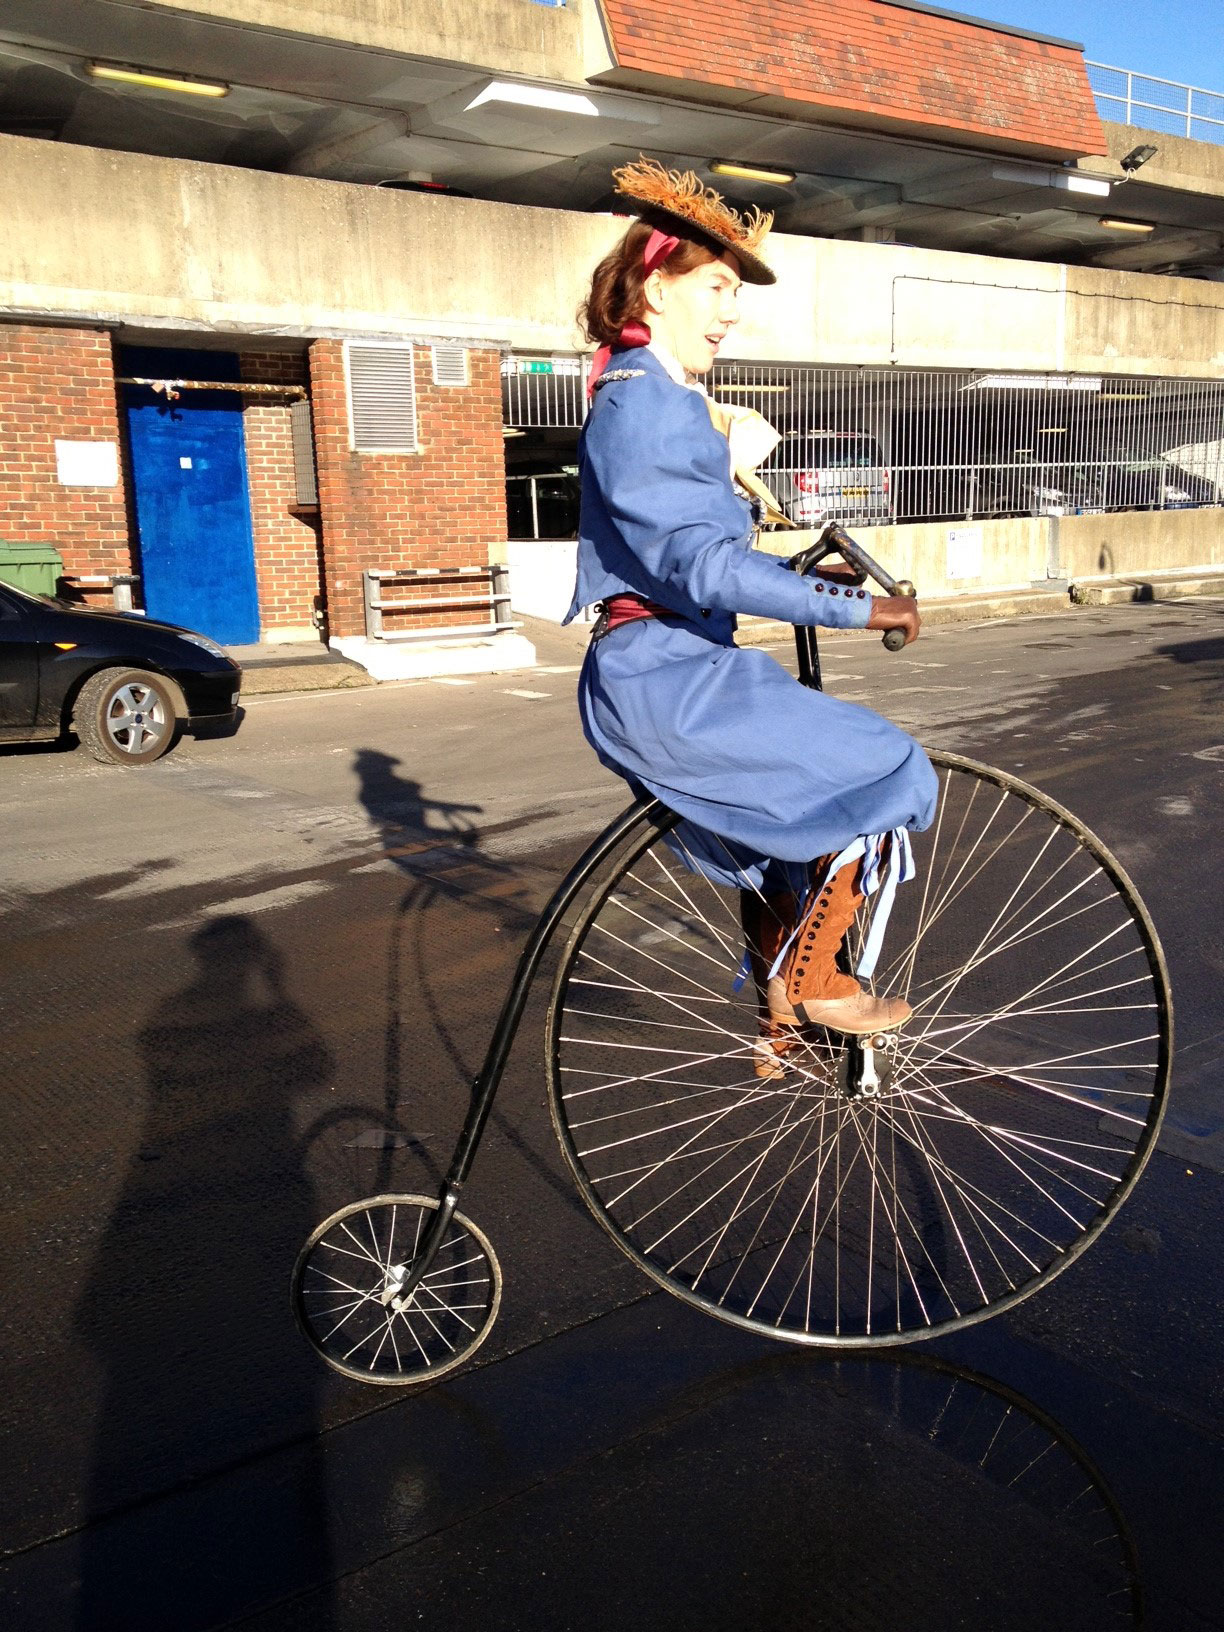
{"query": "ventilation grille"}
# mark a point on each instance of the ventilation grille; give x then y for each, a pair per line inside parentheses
(450, 365)
(303, 453)
(382, 398)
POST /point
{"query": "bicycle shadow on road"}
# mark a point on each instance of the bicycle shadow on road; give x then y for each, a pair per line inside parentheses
(186, 1313)
(442, 945)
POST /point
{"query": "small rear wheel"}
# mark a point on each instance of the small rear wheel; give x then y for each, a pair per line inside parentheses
(125, 717)
(350, 1305)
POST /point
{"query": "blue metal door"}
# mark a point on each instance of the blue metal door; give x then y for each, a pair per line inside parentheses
(193, 513)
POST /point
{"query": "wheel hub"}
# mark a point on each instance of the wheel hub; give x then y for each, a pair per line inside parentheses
(866, 1065)
(393, 1279)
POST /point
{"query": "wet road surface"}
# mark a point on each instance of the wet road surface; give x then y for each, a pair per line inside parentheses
(224, 979)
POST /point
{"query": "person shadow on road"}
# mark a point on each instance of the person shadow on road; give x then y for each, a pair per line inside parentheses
(186, 1311)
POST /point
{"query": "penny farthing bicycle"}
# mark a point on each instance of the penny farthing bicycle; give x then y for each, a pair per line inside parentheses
(859, 1193)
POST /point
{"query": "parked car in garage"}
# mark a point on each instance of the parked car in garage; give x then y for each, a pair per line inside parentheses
(819, 476)
(125, 684)
(1151, 484)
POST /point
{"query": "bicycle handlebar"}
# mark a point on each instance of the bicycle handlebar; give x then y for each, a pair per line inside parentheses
(835, 540)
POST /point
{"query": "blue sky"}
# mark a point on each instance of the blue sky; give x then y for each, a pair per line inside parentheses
(1174, 39)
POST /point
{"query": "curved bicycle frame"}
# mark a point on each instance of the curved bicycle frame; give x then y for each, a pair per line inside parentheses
(833, 540)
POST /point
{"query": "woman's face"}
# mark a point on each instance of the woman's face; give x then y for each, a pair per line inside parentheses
(691, 314)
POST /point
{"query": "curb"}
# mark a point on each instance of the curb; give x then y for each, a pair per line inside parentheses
(1156, 586)
(272, 679)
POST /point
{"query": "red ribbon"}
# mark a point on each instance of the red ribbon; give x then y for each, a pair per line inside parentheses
(635, 333)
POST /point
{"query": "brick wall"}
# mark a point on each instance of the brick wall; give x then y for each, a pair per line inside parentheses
(288, 560)
(59, 384)
(873, 64)
(441, 507)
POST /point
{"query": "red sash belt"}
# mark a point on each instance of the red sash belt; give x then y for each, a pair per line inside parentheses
(620, 609)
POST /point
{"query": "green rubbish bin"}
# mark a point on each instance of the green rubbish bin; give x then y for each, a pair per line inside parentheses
(32, 567)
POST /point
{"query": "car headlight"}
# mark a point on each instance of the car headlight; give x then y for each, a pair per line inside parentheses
(205, 642)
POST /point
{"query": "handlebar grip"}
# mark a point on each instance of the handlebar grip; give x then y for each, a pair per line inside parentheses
(894, 640)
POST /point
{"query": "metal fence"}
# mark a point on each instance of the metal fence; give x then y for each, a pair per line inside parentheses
(894, 445)
(1157, 104)
(542, 392)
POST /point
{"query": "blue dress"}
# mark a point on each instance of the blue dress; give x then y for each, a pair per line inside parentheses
(762, 768)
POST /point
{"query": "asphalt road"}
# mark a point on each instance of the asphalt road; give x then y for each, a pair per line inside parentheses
(225, 974)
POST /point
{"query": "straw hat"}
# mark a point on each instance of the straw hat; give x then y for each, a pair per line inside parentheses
(671, 200)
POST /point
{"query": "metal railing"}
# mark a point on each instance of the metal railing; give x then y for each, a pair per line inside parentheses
(120, 584)
(888, 445)
(496, 599)
(1157, 104)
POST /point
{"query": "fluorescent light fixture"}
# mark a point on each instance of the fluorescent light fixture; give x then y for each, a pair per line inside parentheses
(1052, 430)
(1124, 396)
(1066, 181)
(534, 96)
(512, 430)
(153, 80)
(755, 390)
(752, 172)
(1035, 382)
(1072, 181)
(1116, 225)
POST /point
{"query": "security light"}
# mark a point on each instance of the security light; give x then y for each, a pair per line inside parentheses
(1137, 157)
(1117, 224)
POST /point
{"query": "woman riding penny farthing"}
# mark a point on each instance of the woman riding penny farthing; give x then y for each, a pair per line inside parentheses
(849, 1044)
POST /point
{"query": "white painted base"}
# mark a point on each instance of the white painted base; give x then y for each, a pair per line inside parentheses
(421, 660)
(542, 573)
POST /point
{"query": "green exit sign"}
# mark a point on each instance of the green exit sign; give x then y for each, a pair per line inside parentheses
(535, 365)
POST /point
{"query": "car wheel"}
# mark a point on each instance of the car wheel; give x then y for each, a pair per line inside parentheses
(125, 717)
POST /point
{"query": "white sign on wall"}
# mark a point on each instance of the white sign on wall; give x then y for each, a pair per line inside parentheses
(87, 464)
(964, 552)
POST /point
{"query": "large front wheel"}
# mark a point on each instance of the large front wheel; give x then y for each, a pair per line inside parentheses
(826, 1204)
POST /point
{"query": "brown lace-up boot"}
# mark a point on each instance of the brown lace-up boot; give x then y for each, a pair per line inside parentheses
(768, 921)
(810, 989)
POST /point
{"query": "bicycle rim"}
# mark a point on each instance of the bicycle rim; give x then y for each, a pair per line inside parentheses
(1025, 1095)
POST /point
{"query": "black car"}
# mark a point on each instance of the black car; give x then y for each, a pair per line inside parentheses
(126, 684)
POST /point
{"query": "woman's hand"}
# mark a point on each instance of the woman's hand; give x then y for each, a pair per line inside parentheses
(895, 612)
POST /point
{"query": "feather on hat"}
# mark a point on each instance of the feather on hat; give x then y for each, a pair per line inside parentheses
(674, 198)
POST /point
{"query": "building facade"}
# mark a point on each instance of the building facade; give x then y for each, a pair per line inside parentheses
(288, 295)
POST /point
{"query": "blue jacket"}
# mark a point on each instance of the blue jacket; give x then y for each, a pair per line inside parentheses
(660, 517)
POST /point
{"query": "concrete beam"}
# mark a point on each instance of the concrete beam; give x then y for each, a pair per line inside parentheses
(336, 152)
(539, 42)
(126, 238)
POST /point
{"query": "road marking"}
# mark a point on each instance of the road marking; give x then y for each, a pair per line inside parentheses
(558, 668)
(450, 680)
(513, 693)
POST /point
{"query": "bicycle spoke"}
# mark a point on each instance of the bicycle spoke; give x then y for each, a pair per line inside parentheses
(748, 1170)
